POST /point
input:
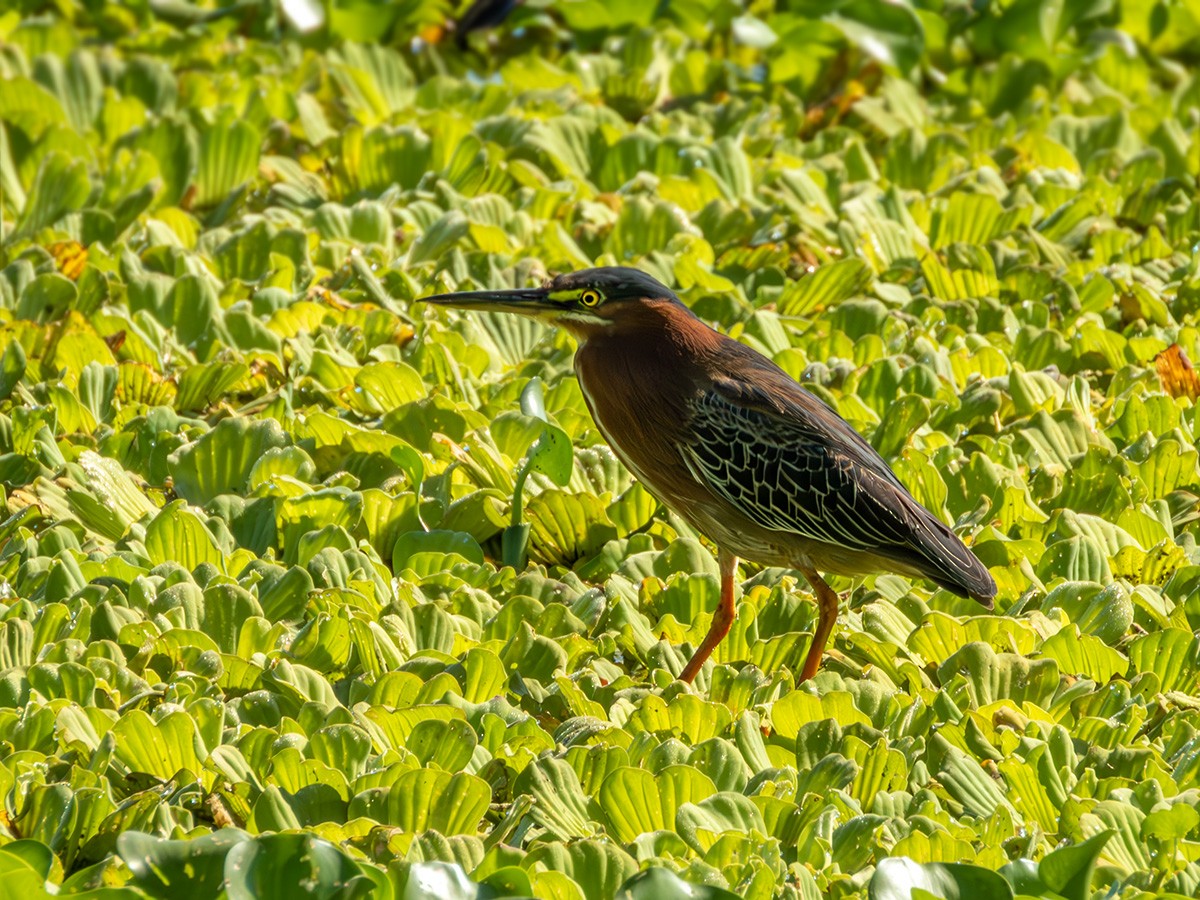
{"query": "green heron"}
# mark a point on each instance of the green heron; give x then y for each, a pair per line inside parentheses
(482, 14)
(729, 441)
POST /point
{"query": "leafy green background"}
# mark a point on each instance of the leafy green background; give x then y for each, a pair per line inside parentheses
(256, 639)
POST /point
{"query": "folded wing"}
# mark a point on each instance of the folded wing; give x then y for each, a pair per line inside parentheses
(791, 464)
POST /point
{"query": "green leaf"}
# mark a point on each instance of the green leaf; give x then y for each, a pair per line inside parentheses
(381, 157)
(61, 186)
(824, 288)
(444, 745)
(160, 748)
(279, 865)
(113, 500)
(12, 368)
(228, 158)
(1068, 870)
(560, 805)
(32, 854)
(222, 460)
(443, 881)
(163, 867)
(429, 799)
(1172, 824)
(1106, 613)
(174, 147)
(1084, 655)
(992, 676)
(177, 534)
(1171, 654)
(662, 884)
(701, 824)
(893, 35)
(593, 15)
(552, 455)
(567, 527)
(599, 867)
(636, 801)
(899, 878)
(416, 544)
(25, 869)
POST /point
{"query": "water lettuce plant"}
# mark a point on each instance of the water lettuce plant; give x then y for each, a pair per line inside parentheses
(306, 590)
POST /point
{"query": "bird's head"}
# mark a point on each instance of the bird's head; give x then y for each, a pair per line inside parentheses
(585, 303)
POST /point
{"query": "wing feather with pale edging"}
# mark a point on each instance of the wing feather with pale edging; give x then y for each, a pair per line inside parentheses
(789, 463)
(786, 475)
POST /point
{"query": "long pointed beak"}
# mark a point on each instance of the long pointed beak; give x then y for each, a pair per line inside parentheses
(527, 301)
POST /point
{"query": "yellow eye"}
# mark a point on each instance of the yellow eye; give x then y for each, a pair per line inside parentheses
(589, 298)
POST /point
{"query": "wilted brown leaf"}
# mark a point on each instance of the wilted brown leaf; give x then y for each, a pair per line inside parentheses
(70, 257)
(116, 340)
(432, 34)
(1176, 373)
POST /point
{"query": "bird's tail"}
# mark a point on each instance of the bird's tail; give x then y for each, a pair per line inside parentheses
(939, 554)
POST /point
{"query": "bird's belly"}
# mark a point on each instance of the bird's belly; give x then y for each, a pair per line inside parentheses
(750, 541)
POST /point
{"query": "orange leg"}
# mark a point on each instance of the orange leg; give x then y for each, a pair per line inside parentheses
(722, 618)
(827, 610)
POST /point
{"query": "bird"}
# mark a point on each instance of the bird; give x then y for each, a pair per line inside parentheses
(482, 14)
(736, 447)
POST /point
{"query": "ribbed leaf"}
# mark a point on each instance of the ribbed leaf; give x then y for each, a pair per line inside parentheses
(227, 159)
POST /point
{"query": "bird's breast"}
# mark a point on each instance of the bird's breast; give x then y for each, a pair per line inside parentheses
(638, 423)
(639, 399)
